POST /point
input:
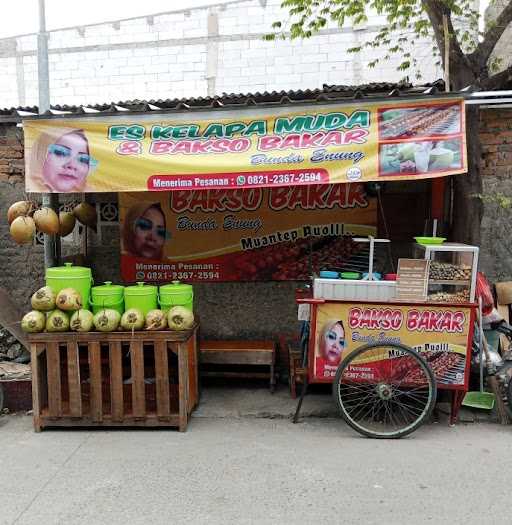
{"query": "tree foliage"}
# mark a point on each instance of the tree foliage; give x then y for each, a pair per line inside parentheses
(406, 21)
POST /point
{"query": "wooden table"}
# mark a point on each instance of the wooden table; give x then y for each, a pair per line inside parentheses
(144, 379)
(239, 353)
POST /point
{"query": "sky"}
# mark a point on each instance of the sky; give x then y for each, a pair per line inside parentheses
(21, 16)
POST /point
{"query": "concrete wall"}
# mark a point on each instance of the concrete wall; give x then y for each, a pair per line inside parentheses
(496, 137)
(194, 52)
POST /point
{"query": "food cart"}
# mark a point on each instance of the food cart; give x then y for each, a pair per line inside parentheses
(386, 348)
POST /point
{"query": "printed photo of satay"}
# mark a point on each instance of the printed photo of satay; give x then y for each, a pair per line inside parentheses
(430, 121)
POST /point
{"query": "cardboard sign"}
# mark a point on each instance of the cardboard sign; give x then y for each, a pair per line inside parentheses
(412, 279)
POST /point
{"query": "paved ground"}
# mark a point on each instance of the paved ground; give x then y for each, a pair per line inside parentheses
(233, 467)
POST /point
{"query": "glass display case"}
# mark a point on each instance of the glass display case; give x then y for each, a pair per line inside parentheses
(453, 270)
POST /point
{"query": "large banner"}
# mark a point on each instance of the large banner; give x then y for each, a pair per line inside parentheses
(242, 235)
(247, 148)
(441, 334)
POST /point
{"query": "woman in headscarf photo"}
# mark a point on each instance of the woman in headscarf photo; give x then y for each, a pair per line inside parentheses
(60, 161)
(331, 345)
(145, 231)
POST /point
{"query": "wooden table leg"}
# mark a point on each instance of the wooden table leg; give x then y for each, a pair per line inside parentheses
(273, 372)
(54, 380)
(183, 385)
(457, 397)
(36, 406)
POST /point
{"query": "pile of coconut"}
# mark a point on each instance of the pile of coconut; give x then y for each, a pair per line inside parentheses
(64, 312)
(25, 217)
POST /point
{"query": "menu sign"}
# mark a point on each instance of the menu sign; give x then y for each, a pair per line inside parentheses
(412, 279)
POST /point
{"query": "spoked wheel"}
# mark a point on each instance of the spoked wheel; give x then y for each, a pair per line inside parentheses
(384, 390)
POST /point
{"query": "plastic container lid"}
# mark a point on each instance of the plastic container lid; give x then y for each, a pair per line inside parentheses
(68, 271)
(176, 287)
(350, 275)
(141, 289)
(328, 274)
(108, 289)
(376, 276)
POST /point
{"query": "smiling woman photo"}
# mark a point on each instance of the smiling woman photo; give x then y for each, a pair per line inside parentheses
(330, 349)
(144, 231)
(60, 161)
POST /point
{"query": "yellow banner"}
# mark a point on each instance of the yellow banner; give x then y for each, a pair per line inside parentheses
(441, 334)
(247, 148)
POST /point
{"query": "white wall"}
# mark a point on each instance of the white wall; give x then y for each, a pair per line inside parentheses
(188, 54)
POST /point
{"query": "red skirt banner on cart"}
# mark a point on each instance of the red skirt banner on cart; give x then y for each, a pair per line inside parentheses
(441, 334)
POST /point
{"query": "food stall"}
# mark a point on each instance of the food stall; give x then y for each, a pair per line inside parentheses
(243, 194)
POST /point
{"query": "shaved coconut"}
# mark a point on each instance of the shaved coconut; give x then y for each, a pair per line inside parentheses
(107, 320)
(180, 318)
(33, 322)
(43, 299)
(57, 321)
(156, 320)
(68, 299)
(132, 319)
(81, 321)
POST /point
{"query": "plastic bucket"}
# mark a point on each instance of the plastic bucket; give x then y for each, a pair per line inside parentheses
(69, 276)
(107, 296)
(176, 294)
(142, 296)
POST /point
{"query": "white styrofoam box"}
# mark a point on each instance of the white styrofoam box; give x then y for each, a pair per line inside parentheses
(348, 290)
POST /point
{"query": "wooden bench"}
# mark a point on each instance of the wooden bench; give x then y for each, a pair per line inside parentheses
(239, 353)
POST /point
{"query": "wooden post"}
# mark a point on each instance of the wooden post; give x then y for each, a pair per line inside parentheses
(138, 386)
(36, 402)
(116, 381)
(54, 383)
(163, 408)
(95, 377)
(183, 385)
(75, 393)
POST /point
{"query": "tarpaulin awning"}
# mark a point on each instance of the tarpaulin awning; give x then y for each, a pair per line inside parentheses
(247, 147)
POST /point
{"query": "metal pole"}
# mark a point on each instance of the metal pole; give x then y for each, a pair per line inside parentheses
(43, 75)
(51, 200)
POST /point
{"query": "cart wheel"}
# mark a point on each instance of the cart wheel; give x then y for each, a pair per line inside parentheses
(384, 390)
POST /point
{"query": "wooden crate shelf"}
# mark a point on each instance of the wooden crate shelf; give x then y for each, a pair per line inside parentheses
(114, 379)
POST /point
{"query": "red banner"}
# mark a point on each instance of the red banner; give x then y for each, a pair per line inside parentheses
(259, 234)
